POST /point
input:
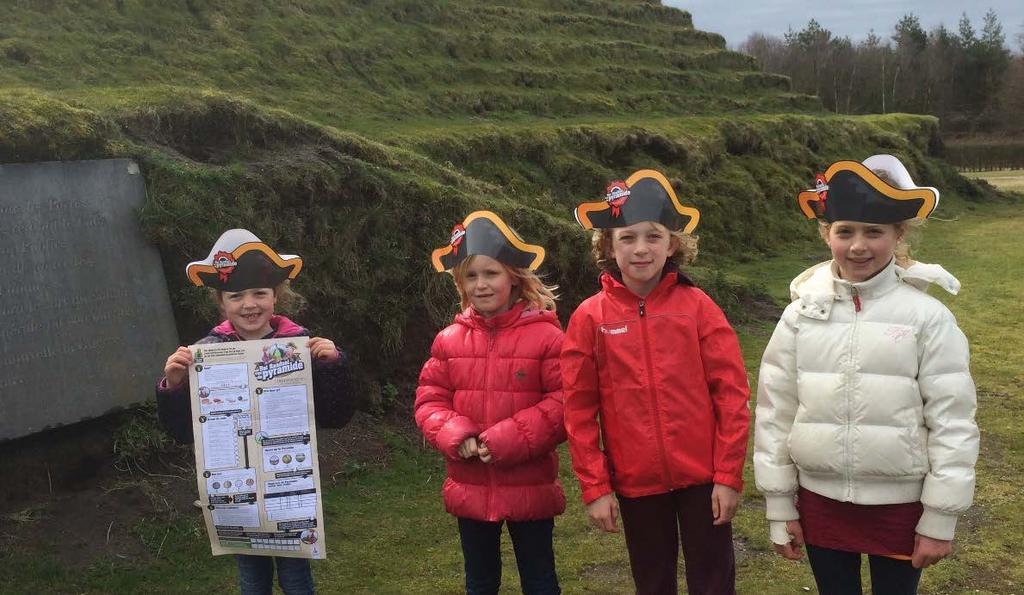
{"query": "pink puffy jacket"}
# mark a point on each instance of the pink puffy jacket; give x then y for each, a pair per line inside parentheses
(497, 379)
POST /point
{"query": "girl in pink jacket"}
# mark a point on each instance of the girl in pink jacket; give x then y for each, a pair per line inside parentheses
(490, 399)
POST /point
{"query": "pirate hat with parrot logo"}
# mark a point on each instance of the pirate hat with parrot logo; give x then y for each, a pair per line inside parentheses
(879, 190)
(484, 233)
(239, 261)
(644, 196)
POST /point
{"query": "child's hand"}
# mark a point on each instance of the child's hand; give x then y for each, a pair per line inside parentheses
(724, 501)
(791, 550)
(928, 551)
(176, 368)
(324, 349)
(603, 512)
(469, 448)
(483, 452)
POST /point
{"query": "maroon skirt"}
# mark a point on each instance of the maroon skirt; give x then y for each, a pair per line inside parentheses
(878, 529)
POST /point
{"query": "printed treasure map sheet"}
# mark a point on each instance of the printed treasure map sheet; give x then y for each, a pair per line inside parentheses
(256, 455)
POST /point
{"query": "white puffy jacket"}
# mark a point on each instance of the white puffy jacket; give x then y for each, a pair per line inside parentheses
(874, 406)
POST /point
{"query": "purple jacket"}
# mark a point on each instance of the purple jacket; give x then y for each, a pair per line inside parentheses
(332, 385)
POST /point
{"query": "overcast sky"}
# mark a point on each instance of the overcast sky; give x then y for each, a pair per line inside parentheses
(737, 19)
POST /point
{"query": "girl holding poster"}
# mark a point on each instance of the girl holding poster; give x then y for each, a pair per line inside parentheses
(249, 280)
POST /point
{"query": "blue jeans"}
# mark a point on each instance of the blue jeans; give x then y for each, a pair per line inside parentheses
(531, 540)
(838, 573)
(256, 575)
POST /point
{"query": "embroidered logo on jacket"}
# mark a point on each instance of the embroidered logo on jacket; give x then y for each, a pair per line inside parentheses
(898, 333)
(615, 331)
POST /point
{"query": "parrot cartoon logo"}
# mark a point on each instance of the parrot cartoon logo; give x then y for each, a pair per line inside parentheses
(616, 195)
(458, 234)
(225, 263)
(821, 189)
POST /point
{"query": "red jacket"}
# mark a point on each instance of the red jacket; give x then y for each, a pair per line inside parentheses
(666, 377)
(497, 379)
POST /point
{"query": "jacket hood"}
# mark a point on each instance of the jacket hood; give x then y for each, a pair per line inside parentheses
(518, 315)
(820, 279)
(283, 327)
(921, 275)
(819, 286)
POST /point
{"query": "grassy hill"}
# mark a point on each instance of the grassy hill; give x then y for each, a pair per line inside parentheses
(356, 65)
(356, 133)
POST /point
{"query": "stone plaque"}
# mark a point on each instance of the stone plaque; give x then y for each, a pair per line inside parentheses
(86, 319)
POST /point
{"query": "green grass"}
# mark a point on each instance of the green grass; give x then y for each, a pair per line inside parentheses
(213, 161)
(353, 64)
(388, 532)
(1009, 180)
(357, 133)
(984, 256)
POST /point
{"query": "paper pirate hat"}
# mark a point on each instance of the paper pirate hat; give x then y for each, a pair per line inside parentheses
(239, 261)
(852, 191)
(484, 233)
(644, 196)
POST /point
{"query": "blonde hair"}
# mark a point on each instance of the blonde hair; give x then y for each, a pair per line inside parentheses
(288, 300)
(604, 254)
(528, 286)
(909, 232)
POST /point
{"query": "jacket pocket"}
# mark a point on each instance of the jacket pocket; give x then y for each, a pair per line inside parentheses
(886, 451)
(817, 447)
(919, 443)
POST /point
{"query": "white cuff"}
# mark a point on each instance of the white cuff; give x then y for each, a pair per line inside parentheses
(781, 507)
(778, 532)
(937, 525)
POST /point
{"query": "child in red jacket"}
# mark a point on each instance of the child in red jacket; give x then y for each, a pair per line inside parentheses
(653, 373)
(490, 399)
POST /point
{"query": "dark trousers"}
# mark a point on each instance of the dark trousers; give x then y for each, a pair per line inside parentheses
(535, 557)
(256, 575)
(838, 573)
(654, 526)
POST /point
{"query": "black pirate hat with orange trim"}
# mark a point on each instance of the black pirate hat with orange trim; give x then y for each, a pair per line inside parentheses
(484, 233)
(239, 261)
(852, 191)
(644, 196)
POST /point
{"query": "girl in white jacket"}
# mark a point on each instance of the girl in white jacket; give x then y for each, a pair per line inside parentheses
(865, 440)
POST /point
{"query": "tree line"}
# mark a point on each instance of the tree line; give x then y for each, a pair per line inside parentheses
(967, 77)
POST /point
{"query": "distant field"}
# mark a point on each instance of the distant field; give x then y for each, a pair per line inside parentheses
(1004, 179)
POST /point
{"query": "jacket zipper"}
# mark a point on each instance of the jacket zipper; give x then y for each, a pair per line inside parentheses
(487, 419)
(849, 407)
(653, 393)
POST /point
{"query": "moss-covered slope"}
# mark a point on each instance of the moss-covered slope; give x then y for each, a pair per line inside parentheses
(364, 64)
(356, 134)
